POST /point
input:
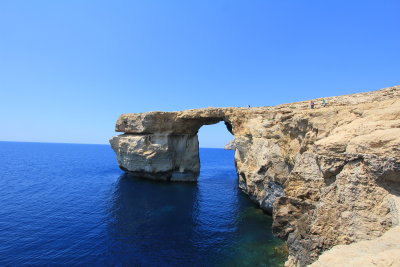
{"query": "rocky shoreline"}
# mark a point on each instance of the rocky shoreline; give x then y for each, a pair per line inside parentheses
(329, 176)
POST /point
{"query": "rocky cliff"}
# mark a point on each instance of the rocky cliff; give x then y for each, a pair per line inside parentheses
(329, 175)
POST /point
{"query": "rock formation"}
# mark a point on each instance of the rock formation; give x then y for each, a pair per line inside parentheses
(382, 251)
(162, 145)
(329, 176)
(230, 145)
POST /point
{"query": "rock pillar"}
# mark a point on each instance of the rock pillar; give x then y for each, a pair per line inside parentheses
(160, 145)
(158, 156)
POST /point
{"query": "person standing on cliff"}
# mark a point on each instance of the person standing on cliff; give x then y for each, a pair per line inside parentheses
(324, 103)
(312, 104)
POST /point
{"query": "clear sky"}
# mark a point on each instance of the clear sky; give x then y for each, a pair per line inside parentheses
(68, 69)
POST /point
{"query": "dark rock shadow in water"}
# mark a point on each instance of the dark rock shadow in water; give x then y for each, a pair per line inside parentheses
(150, 222)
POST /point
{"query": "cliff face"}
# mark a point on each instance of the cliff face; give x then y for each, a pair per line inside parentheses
(328, 175)
(159, 156)
(162, 145)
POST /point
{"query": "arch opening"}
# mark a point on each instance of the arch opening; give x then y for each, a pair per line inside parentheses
(165, 145)
(216, 162)
(215, 135)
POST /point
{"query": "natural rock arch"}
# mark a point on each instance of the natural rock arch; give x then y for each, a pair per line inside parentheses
(329, 175)
(163, 145)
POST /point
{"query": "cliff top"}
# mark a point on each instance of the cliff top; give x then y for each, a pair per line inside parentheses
(193, 119)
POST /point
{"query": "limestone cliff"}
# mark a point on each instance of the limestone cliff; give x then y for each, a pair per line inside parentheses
(230, 145)
(328, 175)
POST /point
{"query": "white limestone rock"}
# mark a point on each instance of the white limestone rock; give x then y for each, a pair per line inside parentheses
(158, 156)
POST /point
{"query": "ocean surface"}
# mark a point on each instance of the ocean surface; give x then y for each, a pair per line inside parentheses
(70, 204)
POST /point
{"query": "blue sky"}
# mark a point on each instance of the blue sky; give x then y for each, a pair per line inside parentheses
(68, 69)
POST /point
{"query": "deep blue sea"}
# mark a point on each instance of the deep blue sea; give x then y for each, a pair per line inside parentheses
(70, 204)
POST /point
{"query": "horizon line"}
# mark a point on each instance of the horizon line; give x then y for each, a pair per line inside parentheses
(68, 143)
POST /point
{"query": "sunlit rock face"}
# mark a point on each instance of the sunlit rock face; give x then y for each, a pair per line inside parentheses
(162, 145)
(158, 156)
(230, 145)
(329, 176)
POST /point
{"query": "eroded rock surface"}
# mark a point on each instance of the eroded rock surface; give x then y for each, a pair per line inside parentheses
(159, 156)
(328, 175)
(162, 145)
(382, 251)
(230, 145)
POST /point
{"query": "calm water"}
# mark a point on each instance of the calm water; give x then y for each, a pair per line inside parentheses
(69, 204)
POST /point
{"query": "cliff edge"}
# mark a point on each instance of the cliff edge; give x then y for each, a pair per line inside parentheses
(329, 175)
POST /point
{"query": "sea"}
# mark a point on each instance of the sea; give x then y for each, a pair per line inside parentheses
(70, 205)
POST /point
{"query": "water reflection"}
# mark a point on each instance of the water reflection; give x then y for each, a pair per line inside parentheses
(71, 206)
(211, 223)
(151, 222)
